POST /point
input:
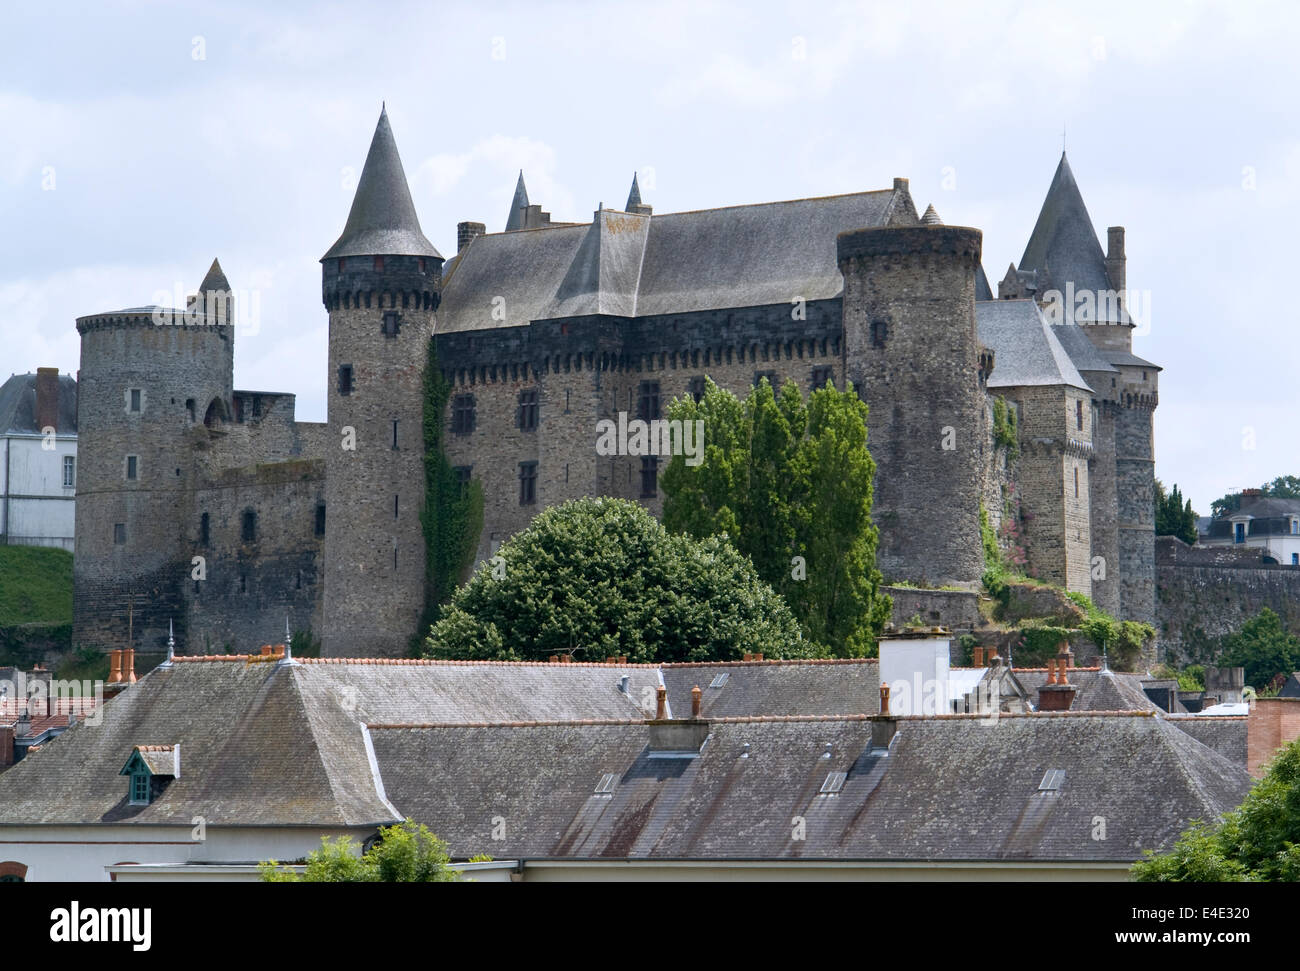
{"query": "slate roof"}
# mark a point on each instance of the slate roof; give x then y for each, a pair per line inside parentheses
(517, 206)
(628, 264)
(950, 788)
(1028, 352)
(633, 196)
(1064, 244)
(18, 405)
(215, 280)
(848, 687)
(382, 221)
(1098, 690)
(1226, 734)
(1083, 352)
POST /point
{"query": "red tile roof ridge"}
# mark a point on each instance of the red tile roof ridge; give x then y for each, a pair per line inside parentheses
(1096, 668)
(154, 748)
(769, 661)
(1132, 713)
(1207, 718)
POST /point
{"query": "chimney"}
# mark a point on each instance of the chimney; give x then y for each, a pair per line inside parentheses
(128, 665)
(6, 746)
(1115, 258)
(900, 185)
(695, 702)
(747, 656)
(47, 398)
(466, 232)
(661, 703)
(758, 656)
(566, 658)
(978, 656)
(555, 659)
(266, 650)
(1051, 670)
(1057, 694)
(884, 699)
(1065, 658)
(115, 667)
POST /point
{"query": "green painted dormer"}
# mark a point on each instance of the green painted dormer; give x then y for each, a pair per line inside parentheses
(150, 768)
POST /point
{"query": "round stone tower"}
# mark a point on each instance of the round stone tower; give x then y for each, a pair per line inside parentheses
(148, 376)
(911, 350)
(381, 285)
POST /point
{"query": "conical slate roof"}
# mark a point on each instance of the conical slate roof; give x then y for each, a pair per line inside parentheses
(215, 281)
(516, 218)
(633, 197)
(383, 220)
(931, 217)
(1064, 246)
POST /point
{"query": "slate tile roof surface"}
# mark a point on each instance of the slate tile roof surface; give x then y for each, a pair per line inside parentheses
(950, 788)
(1027, 347)
(632, 265)
(18, 405)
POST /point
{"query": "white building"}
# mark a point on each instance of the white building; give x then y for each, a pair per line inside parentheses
(1272, 525)
(38, 459)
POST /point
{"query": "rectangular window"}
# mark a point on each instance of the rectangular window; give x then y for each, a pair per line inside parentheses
(462, 477)
(394, 434)
(1078, 414)
(248, 532)
(135, 399)
(189, 408)
(257, 406)
(696, 389)
(320, 519)
(69, 471)
(1076, 482)
(647, 406)
(205, 529)
(649, 476)
(879, 333)
(119, 533)
(463, 417)
(1295, 559)
(392, 323)
(821, 376)
(139, 789)
(771, 378)
(132, 468)
(345, 379)
(1239, 532)
(394, 507)
(527, 483)
(526, 415)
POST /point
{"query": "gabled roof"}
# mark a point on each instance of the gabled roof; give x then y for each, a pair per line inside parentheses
(1097, 689)
(18, 405)
(1083, 352)
(842, 687)
(741, 256)
(382, 221)
(1027, 350)
(947, 788)
(1064, 245)
(162, 760)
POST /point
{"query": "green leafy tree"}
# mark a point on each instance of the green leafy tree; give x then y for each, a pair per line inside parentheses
(1260, 842)
(1174, 515)
(404, 853)
(1263, 647)
(452, 517)
(601, 577)
(789, 481)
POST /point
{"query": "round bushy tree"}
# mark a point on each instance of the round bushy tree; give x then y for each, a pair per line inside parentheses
(601, 577)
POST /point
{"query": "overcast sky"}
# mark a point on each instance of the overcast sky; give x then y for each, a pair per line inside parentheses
(140, 140)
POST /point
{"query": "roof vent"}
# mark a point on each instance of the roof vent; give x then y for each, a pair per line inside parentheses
(826, 754)
(1053, 779)
(834, 783)
(623, 683)
(719, 680)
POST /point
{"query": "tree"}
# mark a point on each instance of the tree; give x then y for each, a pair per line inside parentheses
(790, 482)
(600, 578)
(1174, 515)
(404, 853)
(1259, 842)
(1263, 647)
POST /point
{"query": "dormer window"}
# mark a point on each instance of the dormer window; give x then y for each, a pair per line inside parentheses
(150, 768)
(1295, 526)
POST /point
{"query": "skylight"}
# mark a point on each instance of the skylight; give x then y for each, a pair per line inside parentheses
(606, 784)
(834, 783)
(719, 680)
(1053, 779)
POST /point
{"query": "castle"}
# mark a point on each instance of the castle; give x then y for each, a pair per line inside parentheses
(212, 509)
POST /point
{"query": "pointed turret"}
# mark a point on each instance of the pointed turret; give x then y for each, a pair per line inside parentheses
(214, 298)
(1064, 247)
(382, 221)
(931, 217)
(215, 280)
(518, 208)
(633, 197)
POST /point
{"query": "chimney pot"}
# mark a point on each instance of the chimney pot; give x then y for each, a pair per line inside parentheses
(128, 665)
(900, 184)
(1051, 670)
(884, 699)
(695, 701)
(661, 703)
(555, 659)
(758, 656)
(115, 666)
(978, 657)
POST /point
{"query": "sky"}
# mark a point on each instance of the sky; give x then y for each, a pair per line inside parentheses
(140, 140)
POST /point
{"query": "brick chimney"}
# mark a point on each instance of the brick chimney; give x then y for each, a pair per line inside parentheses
(47, 398)
(466, 232)
(1057, 694)
(6, 746)
(695, 701)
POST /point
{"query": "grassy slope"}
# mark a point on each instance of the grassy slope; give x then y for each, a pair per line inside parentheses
(35, 585)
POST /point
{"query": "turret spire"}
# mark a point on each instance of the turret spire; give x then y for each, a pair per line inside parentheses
(382, 221)
(633, 197)
(519, 207)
